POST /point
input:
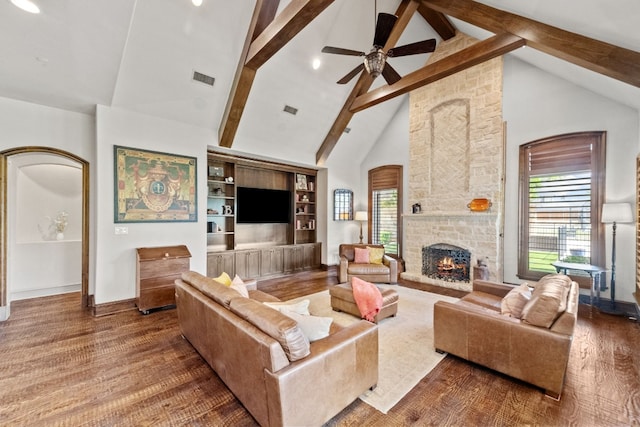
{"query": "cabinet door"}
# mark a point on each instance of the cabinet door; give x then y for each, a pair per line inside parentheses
(248, 264)
(293, 258)
(311, 255)
(219, 262)
(272, 261)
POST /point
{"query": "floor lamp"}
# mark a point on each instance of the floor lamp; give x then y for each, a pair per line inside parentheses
(362, 217)
(613, 213)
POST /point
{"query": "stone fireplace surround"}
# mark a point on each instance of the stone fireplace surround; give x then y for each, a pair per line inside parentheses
(456, 145)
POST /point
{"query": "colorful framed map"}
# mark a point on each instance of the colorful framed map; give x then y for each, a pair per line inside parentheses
(154, 187)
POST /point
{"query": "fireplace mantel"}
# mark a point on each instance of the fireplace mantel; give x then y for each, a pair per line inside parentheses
(451, 215)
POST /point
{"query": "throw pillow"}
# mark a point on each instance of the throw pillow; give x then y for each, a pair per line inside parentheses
(375, 255)
(548, 301)
(282, 328)
(313, 327)
(300, 307)
(361, 256)
(224, 279)
(238, 285)
(513, 303)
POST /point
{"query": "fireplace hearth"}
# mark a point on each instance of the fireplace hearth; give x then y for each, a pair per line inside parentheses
(446, 262)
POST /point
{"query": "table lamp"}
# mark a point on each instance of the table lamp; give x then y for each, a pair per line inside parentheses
(361, 216)
(613, 213)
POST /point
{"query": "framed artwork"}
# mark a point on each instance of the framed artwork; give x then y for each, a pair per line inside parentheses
(301, 182)
(154, 187)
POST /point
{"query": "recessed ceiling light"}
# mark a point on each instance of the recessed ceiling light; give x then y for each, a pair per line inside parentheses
(197, 3)
(26, 5)
(316, 63)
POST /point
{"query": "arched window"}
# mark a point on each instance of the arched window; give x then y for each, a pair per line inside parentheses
(385, 208)
(561, 192)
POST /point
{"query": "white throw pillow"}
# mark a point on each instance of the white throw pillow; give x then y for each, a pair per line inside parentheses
(238, 285)
(513, 303)
(301, 307)
(313, 327)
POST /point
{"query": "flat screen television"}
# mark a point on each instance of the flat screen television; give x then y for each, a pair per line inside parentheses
(262, 206)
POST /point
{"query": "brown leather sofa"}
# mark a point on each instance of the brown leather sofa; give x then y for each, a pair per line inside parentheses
(228, 330)
(475, 329)
(387, 272)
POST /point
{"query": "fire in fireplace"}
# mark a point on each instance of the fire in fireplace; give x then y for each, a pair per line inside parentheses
(446, 262)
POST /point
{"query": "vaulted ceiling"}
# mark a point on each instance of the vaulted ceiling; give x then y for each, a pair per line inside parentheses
(140, 55)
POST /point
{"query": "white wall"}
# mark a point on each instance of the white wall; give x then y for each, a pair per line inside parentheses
(116, 254)
(537, 104)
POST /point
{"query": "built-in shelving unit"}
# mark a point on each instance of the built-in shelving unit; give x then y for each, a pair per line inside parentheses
(259, 249)
(221, 206)
(637, 292)
(305, 208)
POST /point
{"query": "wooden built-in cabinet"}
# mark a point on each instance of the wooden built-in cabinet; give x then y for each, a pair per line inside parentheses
(156, 270)
(265, 262)
(259, 250)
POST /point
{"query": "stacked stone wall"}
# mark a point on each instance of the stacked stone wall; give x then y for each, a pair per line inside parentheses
(457, 154)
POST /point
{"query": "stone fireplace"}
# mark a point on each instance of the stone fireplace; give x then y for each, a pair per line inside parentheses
(456, 145)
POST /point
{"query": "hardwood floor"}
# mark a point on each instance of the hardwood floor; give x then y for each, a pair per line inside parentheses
(61, 366)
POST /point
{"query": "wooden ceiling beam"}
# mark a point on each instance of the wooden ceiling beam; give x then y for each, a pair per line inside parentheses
(267, 34)
(473, 55)
(438, 21)
(600, 57)
(405, 11)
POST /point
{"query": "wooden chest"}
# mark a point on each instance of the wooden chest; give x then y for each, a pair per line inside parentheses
(156, 270)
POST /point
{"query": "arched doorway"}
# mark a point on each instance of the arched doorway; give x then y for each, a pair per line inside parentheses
(4, 156)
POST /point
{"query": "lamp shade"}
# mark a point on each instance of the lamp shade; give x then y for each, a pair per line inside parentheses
(616, 212)
(361, 216)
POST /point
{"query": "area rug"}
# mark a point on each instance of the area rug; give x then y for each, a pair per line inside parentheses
(406, 352)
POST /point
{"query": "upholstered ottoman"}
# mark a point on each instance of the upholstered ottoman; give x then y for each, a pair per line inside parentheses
(342, 300)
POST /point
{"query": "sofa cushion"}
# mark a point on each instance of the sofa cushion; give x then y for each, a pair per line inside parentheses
(484, 299)
(313, 327)
(361, 256)
(375, 255)
(300, 307)
(210, 287)
(362, 269)
(548, 301)
(282, 328)
(513, 303)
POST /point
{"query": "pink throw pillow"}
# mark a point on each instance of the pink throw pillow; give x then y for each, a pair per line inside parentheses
(362, 256)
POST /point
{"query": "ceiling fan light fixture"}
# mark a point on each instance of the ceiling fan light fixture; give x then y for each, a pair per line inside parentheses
(374, 62)
(26, 5)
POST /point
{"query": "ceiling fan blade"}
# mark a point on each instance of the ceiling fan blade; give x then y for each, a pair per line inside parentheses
(341, 51)
(351, 74)
(385, 24)
(390, 74)
(425, 46)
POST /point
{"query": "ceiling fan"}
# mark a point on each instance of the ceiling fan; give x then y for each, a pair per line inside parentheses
(375, 62)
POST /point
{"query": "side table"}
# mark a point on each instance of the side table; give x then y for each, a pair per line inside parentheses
(594, 272)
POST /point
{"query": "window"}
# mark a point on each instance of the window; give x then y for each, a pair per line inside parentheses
(342, 205)
(561, 190)
(385, 207)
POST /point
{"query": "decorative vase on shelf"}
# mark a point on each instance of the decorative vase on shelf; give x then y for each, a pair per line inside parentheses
(59, 235)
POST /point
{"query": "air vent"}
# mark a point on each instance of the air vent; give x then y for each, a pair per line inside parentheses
(347, 130)
(203, 78)
(289, 109)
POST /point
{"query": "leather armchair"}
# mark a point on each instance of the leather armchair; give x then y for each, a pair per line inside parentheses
(387, 272)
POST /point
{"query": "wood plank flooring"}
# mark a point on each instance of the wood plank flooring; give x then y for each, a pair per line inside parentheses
(61, 366)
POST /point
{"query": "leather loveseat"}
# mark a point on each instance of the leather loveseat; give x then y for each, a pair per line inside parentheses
(283, 380)
(531, 342)
(384, 272)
